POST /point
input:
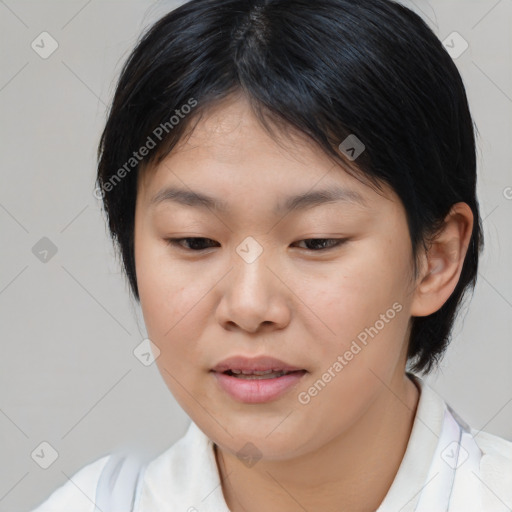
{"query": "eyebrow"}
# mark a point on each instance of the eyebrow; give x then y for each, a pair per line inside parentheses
(300, 201)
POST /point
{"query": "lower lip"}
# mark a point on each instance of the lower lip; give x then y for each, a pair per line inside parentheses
(254, 391)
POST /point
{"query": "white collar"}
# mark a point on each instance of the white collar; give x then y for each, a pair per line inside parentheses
(413, 471)
(431, 476)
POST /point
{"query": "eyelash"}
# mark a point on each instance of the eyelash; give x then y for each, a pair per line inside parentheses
(176, 242)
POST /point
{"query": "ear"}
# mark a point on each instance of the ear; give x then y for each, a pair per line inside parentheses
(442, 264)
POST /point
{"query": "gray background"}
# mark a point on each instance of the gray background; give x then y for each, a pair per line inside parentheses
(68, 373)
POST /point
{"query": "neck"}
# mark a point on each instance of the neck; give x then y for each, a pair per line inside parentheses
(353, 472)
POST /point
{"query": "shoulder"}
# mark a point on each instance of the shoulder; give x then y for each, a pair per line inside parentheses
(495, 470)
(496, 462)
(78, 493)
(496, 452)
(492, 446)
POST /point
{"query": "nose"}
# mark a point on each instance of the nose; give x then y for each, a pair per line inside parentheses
(254, 296)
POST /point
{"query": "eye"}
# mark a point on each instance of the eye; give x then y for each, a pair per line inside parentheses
(195, 243)
(333, 242)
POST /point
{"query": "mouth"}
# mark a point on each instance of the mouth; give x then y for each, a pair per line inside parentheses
(255, 366)
(258, 386)
(258, 379)
(260, 375)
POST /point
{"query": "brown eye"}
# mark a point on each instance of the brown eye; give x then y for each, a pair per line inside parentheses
(316, 242)
(194, 243)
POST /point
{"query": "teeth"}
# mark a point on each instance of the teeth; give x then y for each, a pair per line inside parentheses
(259, 375)
(259, 372)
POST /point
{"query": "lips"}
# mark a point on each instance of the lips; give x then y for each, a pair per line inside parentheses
(256, 380)
(241, 365)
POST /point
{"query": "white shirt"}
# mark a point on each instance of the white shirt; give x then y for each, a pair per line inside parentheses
(185, 477)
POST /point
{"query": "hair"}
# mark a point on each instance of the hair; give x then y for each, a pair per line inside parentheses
(328, 69)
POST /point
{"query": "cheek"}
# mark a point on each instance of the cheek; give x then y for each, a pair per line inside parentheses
(168, 295)
(361, 299)
(171, 304)
(176, 301)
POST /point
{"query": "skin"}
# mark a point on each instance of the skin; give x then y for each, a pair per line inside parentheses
(341, 451)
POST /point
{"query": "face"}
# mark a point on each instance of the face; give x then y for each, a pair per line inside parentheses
(323, 287)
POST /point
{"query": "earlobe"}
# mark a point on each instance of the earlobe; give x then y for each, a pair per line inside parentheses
(442, 263)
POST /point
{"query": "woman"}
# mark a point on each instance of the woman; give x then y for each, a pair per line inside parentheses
(292, 188)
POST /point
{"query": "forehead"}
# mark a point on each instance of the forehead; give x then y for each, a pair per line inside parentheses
(229, 154)
(229, 130)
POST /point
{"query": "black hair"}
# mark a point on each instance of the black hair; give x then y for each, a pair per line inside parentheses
(329, 69)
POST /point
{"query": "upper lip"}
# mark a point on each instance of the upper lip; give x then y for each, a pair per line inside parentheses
(254, 364)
